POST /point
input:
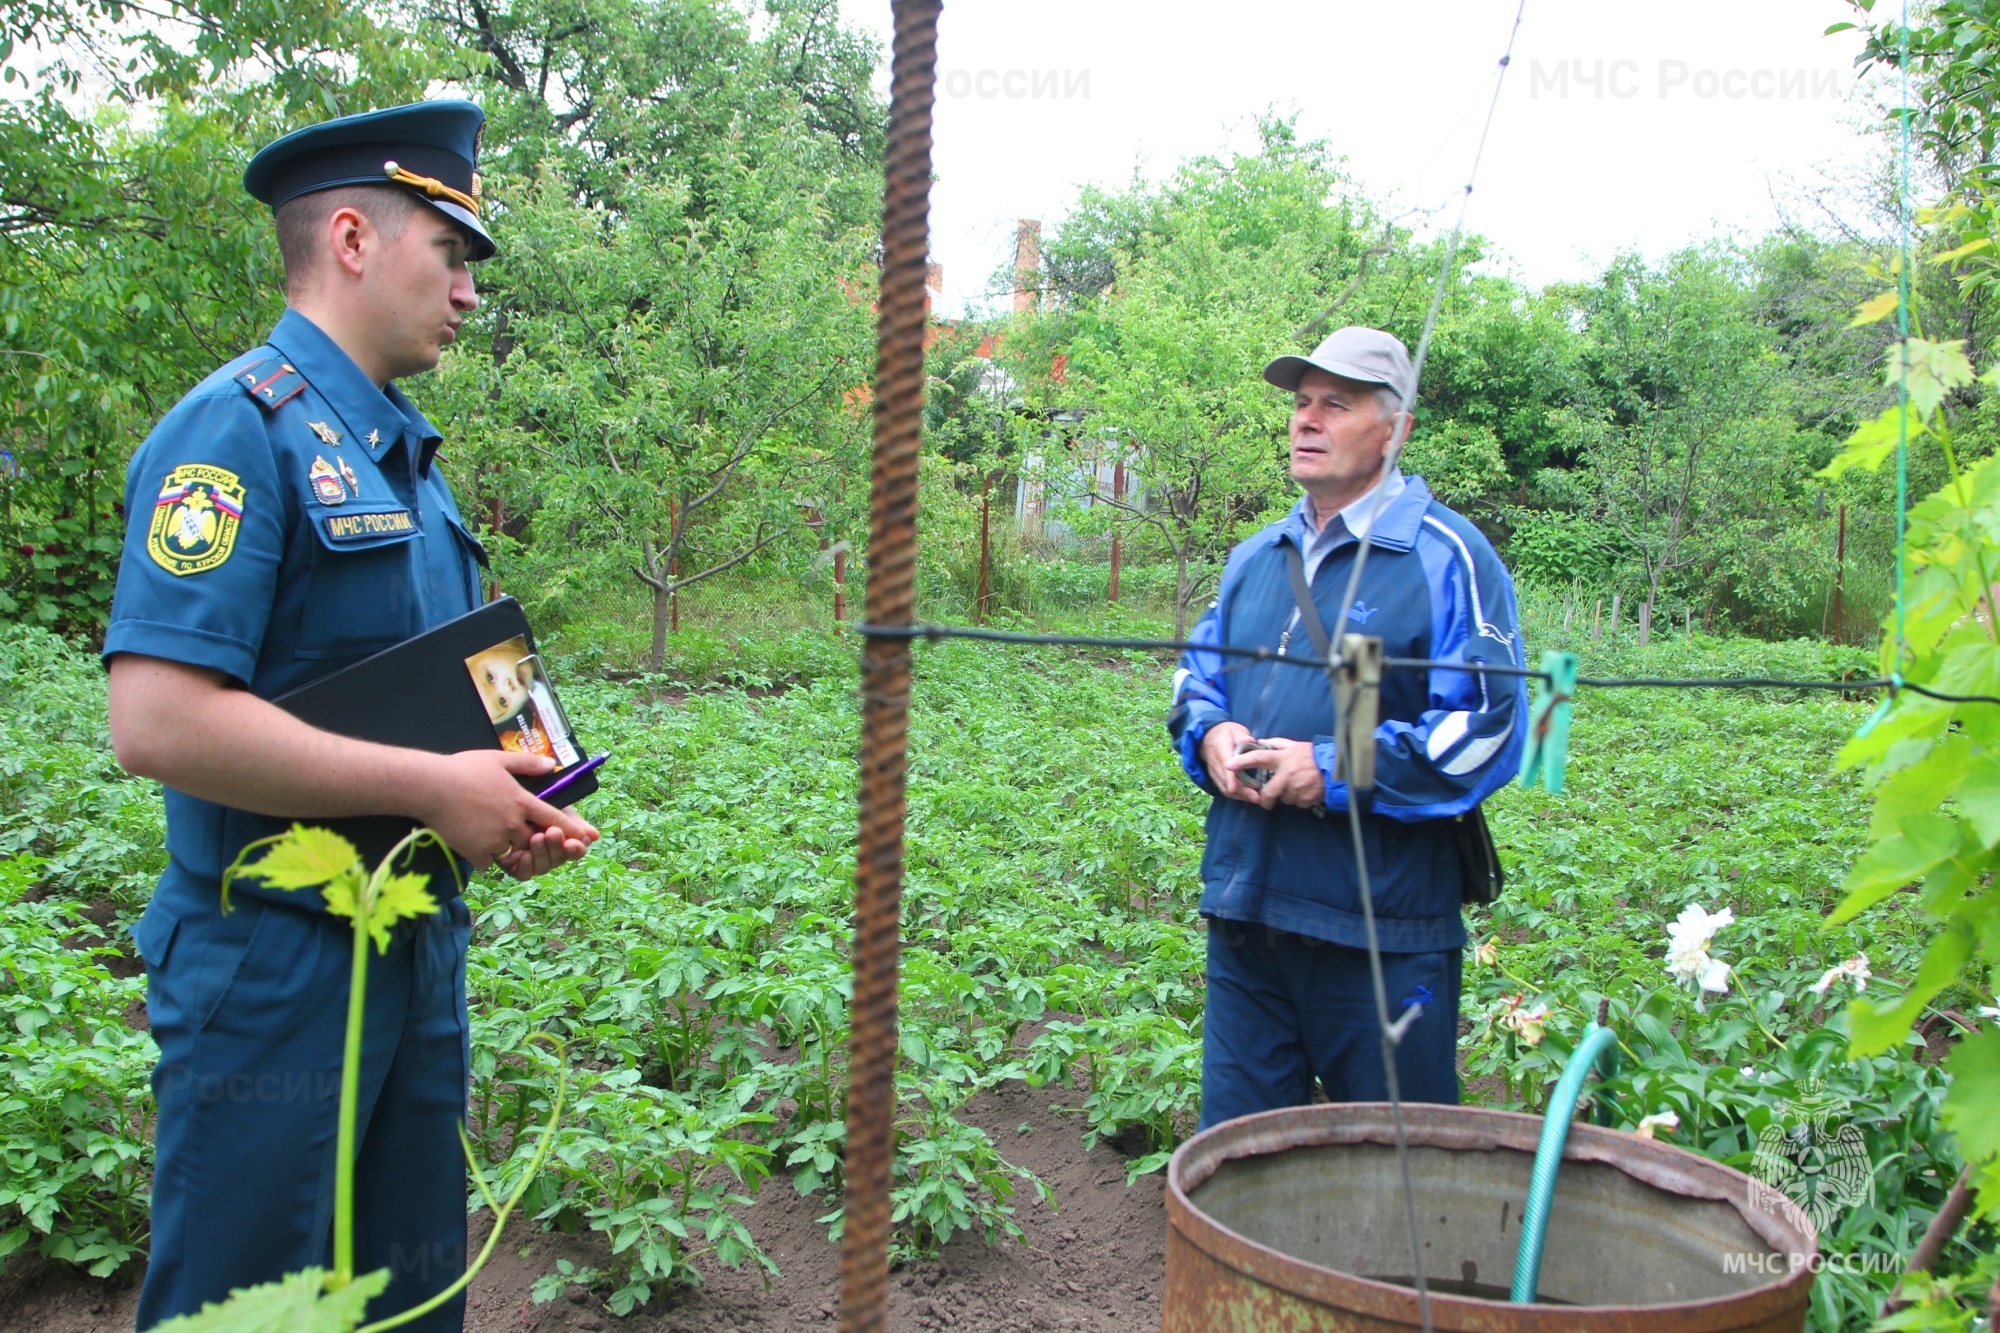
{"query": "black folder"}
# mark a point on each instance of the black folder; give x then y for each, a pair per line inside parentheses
(420, 694)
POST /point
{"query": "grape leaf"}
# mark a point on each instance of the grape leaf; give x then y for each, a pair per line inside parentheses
(1895, 861)
(1872, 442)
(1877, 307)
(397, 897)
(1979, 797)
(296, 1303)
(305, 858)
(1975, 1091)
(1934, 370)
(1877, 1028)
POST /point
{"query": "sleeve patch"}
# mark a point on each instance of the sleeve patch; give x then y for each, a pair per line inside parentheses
(195, 519)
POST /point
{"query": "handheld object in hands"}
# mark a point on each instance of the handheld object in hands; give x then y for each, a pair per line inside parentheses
(1253, 778)
(472, 683)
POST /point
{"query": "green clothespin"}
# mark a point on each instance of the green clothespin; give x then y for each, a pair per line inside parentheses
(1548, 724)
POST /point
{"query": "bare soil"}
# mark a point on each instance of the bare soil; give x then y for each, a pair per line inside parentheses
(1094, 1266)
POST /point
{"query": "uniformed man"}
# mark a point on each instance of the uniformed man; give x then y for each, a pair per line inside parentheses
(235, 586)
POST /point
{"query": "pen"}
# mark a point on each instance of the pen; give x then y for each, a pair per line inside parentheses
(587, 766)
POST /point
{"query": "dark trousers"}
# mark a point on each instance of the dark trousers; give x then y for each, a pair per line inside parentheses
(250, 1011)
(1285, 1009)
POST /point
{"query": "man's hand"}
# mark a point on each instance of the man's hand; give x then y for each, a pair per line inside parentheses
(187, 727)
(1295, 777)
(476, 805)
(1218, 750)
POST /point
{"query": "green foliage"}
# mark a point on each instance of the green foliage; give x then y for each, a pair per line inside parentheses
(315, 858)
(1686, 454)
(1226, 264)
(695, 964)
(1716, 800)
(1555, 549)
(1461, 462)
(303, 1302)
(949, 1177)
(1936, 766)
(687, 186)
(131, 262)
(697, 424)
(75, 1109)
(94, 831)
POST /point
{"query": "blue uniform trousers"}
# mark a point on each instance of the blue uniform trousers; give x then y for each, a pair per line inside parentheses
(249, 1010)
(1285, 1009)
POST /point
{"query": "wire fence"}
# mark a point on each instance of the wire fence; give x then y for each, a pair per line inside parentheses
(1258, 653)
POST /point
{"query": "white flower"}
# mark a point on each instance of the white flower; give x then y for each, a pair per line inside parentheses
(1694, 928)
(1688, 938)
(1662, 1120)
(1854, 969)
(1989, 1011)
(1747, 1072)
(1523, 1021)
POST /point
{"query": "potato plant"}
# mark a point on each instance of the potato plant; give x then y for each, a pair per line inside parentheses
(695, 964)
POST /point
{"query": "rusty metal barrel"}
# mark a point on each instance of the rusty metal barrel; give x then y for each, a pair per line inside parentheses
(1294, 1220)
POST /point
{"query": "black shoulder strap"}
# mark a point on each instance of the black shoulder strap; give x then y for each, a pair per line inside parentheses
(1295, 565)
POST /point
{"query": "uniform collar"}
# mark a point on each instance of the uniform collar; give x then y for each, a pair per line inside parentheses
(375, 418)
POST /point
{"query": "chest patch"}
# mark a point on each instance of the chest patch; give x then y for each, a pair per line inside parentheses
(195, 519)
(343, 529)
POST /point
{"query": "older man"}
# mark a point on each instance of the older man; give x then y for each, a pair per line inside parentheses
(1290, 998)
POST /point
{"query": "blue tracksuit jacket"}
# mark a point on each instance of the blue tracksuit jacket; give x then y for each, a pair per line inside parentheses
(1432, 588)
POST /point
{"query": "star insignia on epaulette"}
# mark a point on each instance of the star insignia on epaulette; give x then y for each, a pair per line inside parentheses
(374, 437)
(325, 432)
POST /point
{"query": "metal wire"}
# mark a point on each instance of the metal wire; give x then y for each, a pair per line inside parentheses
(885, 672)
(1256, 653)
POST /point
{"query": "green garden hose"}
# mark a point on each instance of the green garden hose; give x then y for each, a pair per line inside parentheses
(1598, 1044)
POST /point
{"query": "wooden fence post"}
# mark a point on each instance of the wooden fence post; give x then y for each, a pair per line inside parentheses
(985, 546)
(1839, 572)
(1117, 534)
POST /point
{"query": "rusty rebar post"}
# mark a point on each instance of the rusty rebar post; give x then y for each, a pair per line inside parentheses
(885, 671)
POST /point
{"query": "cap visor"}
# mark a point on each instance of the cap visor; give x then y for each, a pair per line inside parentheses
(1287, 371)
(482, 244)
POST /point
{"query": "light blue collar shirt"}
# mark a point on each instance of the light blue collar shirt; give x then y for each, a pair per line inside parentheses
(1316, 542)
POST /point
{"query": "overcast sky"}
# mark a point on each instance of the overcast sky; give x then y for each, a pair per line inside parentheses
(1619, 125)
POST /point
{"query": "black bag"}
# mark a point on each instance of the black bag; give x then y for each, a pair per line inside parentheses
(1480, 877)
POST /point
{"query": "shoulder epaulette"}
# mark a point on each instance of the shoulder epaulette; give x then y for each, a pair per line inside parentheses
(271, 382)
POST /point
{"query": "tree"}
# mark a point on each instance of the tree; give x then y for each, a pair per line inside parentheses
(678, 382)
(131, 262)
(1166, 368)
(1165, 304)
(1678, 423)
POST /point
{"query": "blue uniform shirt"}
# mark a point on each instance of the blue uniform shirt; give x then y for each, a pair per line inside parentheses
(283, 521)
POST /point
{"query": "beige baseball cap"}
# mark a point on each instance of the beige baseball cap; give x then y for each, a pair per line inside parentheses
(1353, 353)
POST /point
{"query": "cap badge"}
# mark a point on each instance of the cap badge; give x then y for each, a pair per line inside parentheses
(326, 433)
(326, 487)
